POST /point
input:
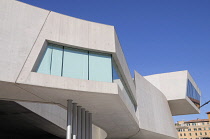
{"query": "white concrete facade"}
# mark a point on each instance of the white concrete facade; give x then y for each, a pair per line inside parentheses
(25, 32)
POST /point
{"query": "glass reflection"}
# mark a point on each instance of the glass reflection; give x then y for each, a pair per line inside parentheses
(192, 94)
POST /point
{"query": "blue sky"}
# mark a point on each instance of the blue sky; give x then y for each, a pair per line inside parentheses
(157, 36)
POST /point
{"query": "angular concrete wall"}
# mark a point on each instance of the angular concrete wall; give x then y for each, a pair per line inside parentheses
(153, 112)
(172, 85)
(20, 27)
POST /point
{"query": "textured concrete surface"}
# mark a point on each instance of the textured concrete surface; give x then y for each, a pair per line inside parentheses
(18, 34)
(153, 112)
(123, 68)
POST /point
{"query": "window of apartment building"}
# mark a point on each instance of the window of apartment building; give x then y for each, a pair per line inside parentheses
(193, 123)
(204, 128)
(209, 128)
(203, 123)
(190, 134)
(189, 129)
(199, 129)
(184, 134)
(200, 133)
(196, 134)
(195, 129)
(180, 130)
(181, 134)
(205, 133)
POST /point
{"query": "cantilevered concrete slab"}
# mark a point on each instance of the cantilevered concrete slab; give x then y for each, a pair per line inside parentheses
(112, 109)
(174, 86)
(36, 120)
(55, 115)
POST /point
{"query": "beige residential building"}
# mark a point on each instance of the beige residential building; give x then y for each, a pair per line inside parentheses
(194, 129)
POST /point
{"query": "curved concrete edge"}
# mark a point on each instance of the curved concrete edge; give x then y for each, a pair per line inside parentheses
(98, 133)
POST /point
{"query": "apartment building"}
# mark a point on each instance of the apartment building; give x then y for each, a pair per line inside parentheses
(64, 77)
(194, 129)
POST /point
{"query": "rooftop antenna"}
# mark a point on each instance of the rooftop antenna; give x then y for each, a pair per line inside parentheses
(204, 104)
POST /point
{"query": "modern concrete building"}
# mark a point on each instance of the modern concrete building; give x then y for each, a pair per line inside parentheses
(63, 77)
(194, 129)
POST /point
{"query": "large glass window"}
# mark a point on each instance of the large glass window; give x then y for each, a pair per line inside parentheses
(75, 63)
(81, 64)
(45, 64)
(193, 94)
(100, 67)
(56, 60)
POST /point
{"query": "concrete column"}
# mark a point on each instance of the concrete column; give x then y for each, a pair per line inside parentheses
(74, 121)
(90, 125)
(69, 120)
(79, 123)
(83, 123)
(86, 125)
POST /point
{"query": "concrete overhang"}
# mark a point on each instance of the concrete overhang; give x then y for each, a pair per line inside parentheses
(174, 86)
(36, 120)
(112, 109)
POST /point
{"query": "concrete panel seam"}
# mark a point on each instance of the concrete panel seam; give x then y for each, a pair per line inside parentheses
(33, 46)
(27, 91)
